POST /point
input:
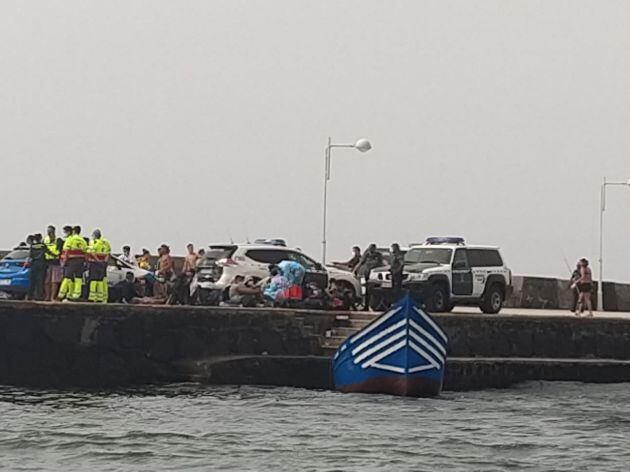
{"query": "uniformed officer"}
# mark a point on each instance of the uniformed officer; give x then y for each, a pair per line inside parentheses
(73, 260)
(98, 256)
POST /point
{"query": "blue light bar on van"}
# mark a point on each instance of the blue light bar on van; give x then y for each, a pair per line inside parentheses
(445, 240)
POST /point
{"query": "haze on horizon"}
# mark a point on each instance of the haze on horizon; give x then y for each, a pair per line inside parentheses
(162, 121)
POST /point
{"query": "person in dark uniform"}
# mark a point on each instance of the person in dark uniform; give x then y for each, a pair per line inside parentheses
(397, 263)
(37, 262)
(371, 259)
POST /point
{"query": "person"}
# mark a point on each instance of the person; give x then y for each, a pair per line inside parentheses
(276, 285)
(352, 263)
(37, 263)
(73, 261)
(575, 276)
(164, 272)
(190, 260)
(371, 259)
(585, 286)
(165, 268)
(54, 273)
(201, 252)
(144, 261)
(396, 266)
(126, 289)
(127, 257)
(98, 253)
(243, 291)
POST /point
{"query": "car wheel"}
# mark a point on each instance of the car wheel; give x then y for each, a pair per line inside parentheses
(438, 299)
(493, 300)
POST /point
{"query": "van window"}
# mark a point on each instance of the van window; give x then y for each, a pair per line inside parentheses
(484, 258)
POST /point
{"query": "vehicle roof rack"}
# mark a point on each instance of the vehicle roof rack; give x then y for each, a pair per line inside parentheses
(445, 240)
(271, 242)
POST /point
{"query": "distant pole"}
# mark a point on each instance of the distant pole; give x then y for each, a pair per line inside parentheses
(362, 145)
(326, 179)
(602, 209)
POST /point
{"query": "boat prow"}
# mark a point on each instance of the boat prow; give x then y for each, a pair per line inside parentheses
(402, 352)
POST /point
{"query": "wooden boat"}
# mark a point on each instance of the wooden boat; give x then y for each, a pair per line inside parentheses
(402, 352)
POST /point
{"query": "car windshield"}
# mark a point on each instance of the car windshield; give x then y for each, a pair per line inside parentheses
(17, 254)
(428, 255)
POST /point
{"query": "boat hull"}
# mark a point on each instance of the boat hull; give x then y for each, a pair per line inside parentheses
(402, 352)
(396, 385)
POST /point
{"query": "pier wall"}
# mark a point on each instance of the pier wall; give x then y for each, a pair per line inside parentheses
(86, 345)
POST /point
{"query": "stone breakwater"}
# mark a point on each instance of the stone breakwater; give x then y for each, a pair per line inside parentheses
(93, 346)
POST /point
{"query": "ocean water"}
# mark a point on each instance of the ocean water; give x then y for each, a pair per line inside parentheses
(537, 426)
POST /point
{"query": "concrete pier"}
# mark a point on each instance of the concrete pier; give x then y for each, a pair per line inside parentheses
(86, 345)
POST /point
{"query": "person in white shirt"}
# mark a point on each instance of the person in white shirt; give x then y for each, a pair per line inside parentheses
(127, 257)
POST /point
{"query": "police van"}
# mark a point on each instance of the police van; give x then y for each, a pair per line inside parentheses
(444, 272)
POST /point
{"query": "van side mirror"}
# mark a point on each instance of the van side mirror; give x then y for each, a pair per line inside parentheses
(318, 266)
(459, 265)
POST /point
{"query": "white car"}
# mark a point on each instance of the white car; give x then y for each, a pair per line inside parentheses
(444, 272)
(222, 262)
(117, 271)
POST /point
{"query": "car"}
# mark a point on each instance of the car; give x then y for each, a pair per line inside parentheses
(445, 272)
(222, 262)
(117, 271)
(15, 273)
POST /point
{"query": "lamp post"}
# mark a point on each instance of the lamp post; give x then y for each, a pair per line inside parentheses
(602, 209)
(362, 145)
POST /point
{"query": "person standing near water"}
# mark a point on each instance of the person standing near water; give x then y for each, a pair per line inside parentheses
(585, 287)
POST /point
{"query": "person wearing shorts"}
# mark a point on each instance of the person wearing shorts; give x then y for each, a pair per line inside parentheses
(585, 286)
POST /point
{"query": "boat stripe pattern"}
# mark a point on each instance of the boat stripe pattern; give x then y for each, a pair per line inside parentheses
(416, 332)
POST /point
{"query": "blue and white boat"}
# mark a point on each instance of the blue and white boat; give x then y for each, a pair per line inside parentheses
(402, 352)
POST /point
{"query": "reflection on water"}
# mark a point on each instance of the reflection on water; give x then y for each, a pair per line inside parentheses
(538, 426)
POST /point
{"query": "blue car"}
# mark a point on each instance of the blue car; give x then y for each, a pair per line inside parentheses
(14, 273)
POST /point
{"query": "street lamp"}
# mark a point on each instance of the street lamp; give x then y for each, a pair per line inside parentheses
(602, 209)
(362, 145)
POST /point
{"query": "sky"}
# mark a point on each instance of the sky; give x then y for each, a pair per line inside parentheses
(204, 121)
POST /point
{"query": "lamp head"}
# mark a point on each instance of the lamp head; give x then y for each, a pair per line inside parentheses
(363, 145)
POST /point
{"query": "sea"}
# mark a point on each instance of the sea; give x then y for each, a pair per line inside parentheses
(541, 426)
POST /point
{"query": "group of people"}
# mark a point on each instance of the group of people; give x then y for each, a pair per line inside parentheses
(57, 265)
(361, 265)
(582, 285)
(286, 285)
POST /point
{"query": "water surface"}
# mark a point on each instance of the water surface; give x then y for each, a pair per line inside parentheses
(537, 426)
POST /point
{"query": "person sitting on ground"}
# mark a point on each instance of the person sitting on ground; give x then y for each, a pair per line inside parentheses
(339, 298)
(315, 298)
(243, 291)
(127, 257)
(276, 285)
(126, 290)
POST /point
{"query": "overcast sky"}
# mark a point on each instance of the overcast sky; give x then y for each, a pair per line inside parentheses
(178, 121)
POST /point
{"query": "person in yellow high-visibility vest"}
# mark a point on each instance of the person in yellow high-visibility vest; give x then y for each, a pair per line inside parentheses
(54, 272)
(98, 256)
(73, 261)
